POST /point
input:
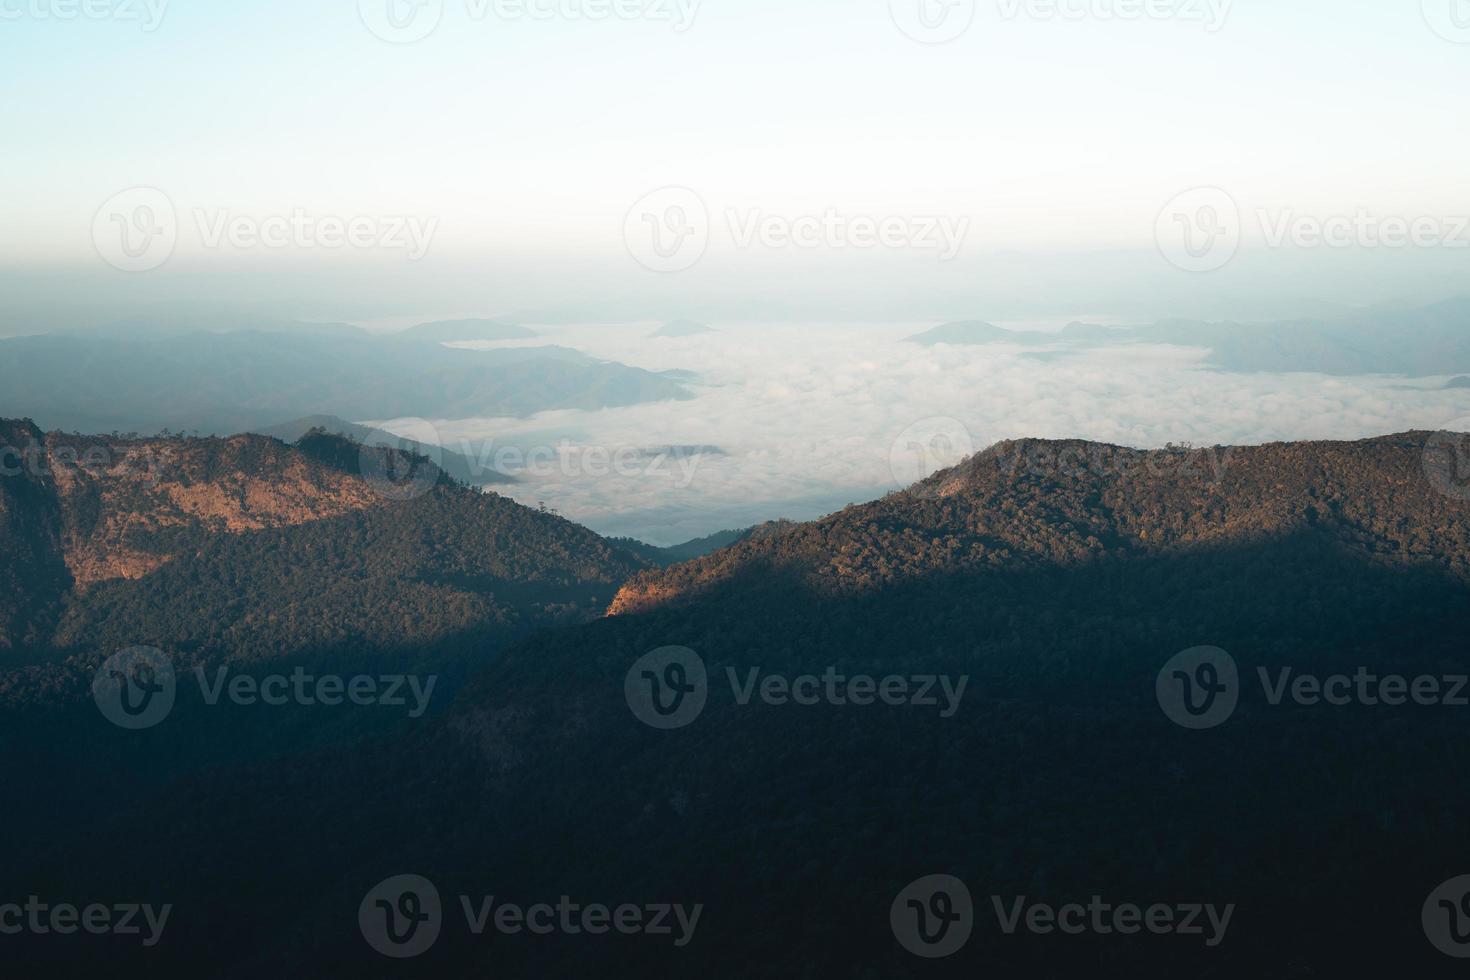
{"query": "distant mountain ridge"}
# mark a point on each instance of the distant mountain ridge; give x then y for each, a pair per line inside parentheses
(699, 547)
(220, 383)
(1423, 342)
(455, 465)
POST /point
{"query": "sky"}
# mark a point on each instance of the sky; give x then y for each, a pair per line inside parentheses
(522, 135)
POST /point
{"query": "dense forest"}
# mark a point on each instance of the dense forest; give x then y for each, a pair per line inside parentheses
(1056, 578)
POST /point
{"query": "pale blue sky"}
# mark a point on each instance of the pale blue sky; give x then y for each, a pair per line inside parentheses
(533, 138)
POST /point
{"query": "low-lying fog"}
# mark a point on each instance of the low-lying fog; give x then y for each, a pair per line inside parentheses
(798, 420)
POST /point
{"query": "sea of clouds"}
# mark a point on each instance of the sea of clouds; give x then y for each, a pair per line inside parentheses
(810, 417)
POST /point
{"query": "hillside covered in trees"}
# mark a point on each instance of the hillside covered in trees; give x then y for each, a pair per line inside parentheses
(1055, 579)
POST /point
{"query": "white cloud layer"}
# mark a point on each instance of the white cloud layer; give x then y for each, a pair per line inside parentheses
(814, 416)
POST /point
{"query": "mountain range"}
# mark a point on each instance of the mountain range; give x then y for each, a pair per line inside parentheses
(1428, 341)
(1055, 578)
(239, 379)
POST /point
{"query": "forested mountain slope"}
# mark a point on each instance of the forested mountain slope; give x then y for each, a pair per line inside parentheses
(1046, 584)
